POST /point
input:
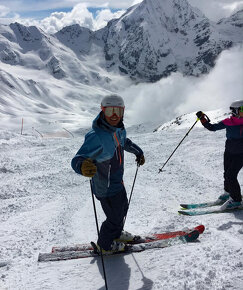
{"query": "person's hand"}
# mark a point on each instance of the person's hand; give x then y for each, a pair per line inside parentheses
(200, 114)
(140, 160)
(88, 168)
(202, 117)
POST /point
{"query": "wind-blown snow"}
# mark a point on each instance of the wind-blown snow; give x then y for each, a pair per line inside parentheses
(44, 203)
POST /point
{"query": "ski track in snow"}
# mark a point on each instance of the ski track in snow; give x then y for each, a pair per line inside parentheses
(44, 203)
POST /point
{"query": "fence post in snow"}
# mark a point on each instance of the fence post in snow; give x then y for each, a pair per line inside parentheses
(69, 132)
(22, 126)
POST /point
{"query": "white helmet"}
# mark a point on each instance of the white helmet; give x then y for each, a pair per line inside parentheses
(236, 107)
(112, 101)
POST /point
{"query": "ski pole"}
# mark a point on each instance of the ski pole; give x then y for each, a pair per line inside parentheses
(98, 232)
(130, 197)
(160, 170)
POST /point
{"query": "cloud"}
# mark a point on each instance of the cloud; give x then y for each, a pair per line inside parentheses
(57, 20)
(78, 15)
(7, 16)
(9, 10)
(4, 11)
(177, 95)
(33, 5)
(235, 6)
(217, 9)
(105, 15)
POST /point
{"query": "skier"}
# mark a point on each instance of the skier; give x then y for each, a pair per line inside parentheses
(101, 157)
(233, 155)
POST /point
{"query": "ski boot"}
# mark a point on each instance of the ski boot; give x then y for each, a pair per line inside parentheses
(230, 204)
(127, 237)
(116, 247)
(223, 197)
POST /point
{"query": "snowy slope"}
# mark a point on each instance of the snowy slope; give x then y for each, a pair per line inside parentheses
(44, 203)
(42, 80)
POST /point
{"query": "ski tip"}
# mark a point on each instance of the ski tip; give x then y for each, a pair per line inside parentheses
(183, 212)
(200, 229)
(183, 206)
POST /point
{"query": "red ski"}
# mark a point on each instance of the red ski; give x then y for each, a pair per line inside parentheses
(157, 244)
(137, 239)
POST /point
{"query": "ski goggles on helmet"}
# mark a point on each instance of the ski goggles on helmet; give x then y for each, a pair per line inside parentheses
(110, 111)
(236, 111)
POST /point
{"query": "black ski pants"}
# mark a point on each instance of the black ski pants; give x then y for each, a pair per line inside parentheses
(115, 209)
(232, 165)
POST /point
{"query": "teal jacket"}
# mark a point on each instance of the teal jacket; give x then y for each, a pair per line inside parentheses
(105, 145)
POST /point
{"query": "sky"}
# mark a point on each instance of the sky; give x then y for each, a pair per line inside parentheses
(53, 15)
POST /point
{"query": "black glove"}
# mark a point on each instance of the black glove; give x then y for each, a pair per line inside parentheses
(140, 160)
(202, 117)
(200, 114)
(88, 168)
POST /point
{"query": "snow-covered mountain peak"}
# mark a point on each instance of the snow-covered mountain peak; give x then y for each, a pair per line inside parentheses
(235, 20)
(78, 38)
(24, 33)
(178, 10)
(171, 15)
(155, 38)
(73, 32)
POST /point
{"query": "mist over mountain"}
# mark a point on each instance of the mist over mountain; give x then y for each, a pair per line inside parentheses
(148, 42)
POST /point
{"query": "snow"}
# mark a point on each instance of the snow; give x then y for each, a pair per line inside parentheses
(54, 83)
(44, 203)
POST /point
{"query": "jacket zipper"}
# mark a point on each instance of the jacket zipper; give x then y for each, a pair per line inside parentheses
(119, 148)
(109, 175)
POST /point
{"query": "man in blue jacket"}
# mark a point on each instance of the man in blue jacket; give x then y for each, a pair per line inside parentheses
(101, 157)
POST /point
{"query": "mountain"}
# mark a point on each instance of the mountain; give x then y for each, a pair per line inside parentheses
(234, 20)
(42, 78)
(149, 41)
(155, 38)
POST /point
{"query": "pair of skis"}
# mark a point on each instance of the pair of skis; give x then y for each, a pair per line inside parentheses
(205, 208)
(139, 244)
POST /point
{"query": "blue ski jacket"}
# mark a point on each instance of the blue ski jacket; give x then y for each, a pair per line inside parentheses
(234, 133)
(105, 145)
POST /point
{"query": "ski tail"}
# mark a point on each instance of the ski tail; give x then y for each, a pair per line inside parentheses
(208, 211)
(216, 202)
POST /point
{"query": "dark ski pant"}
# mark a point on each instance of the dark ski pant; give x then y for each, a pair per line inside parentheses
(115, 209)
(232, 165)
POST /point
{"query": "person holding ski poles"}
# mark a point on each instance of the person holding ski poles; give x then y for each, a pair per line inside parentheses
(101, 157)
(233, 155)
